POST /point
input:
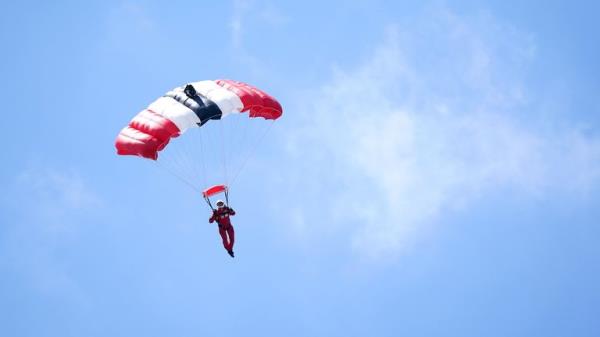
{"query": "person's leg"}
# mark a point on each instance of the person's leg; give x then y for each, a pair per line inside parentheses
(223, 234)
(231, 234)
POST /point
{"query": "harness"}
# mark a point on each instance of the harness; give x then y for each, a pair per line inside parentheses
(220, 216)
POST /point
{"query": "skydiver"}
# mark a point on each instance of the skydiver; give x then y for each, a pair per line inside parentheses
(221, 215)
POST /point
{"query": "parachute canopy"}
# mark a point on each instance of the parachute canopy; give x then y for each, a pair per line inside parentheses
(209, 192)
(191, 106)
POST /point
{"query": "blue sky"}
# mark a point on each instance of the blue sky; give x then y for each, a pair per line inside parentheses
(436, 171)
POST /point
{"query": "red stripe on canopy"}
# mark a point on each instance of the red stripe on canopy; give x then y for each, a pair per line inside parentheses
(146, 134)
(258, 102)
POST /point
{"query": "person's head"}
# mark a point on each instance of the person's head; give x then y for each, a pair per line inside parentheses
(220, 204)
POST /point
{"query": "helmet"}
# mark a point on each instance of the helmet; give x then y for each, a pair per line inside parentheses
(220, 203)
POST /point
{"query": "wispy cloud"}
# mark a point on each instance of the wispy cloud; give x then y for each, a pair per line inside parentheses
(430, 123)
(240, 8)
(273, 16)
(54, 193)
(246, 17)
(132, 16)
(46, 210)
(128, 29)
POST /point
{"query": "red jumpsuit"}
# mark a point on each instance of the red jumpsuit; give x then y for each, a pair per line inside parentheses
(221, 215)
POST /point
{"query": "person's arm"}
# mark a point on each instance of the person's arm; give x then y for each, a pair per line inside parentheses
(231, 211)
(212, 218)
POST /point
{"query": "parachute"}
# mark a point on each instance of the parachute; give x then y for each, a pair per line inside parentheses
(189, 107)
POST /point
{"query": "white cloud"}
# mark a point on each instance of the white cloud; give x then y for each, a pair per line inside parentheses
(429, 124)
